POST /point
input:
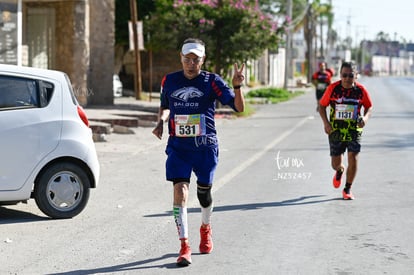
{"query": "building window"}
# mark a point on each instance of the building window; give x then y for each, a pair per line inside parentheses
(40, 37)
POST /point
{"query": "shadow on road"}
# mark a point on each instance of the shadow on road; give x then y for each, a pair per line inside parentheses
(256, 206)
(9, 216)
(126, 267)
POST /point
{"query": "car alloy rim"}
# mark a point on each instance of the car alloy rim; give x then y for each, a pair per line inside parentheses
(64, 191)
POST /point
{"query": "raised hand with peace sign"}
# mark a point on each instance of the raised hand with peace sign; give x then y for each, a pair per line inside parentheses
(238, 79)
(238, 76)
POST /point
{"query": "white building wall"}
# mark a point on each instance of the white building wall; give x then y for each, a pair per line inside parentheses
(277, 68)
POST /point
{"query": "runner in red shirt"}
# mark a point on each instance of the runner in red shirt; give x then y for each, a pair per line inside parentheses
(350, 108)
(321, 79)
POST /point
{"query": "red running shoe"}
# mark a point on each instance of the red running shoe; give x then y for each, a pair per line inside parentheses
(206, 242)
(336, 181)
(347, 195)
(185, 255)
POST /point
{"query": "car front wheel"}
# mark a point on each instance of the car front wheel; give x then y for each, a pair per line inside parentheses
(62, 190)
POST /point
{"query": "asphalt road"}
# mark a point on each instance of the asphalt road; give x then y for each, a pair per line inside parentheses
(276, 211)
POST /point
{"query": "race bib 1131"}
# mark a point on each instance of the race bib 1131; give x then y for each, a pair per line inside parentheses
(345, 111)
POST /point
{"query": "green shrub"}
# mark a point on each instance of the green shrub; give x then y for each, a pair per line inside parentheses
(272, 95)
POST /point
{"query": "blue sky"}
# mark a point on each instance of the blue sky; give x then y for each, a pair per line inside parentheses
(369, 17)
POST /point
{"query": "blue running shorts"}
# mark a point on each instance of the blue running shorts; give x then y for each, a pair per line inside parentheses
(180, 164)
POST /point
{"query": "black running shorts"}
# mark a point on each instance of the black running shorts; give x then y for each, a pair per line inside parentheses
(337, 148)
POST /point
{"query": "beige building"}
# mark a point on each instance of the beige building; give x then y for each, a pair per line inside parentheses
(74, 36)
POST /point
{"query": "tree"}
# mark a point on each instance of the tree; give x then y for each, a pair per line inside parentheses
(325, 17)
(234, 31)
(309, 32)
(315, 10)
(382, 37)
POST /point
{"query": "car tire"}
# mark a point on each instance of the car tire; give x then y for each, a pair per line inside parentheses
(62, 190)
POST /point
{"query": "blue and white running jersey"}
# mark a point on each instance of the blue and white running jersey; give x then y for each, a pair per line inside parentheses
(192, 107)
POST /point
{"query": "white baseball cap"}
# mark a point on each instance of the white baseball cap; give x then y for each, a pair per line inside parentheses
(194, 48)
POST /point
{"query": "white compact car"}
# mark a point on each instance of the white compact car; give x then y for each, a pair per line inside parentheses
(47, 151)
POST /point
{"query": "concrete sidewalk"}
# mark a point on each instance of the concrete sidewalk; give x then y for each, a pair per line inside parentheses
(126, 113)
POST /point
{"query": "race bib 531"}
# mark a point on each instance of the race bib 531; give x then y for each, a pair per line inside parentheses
(189, 125)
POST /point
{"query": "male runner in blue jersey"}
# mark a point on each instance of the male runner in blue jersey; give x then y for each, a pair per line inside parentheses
(188, 104)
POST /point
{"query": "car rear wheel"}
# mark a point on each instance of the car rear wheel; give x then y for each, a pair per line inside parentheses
(62, 190)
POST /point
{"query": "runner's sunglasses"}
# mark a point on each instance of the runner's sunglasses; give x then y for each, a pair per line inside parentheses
(350, 75)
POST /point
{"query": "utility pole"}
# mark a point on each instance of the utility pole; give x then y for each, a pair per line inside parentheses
(137, 76)
(288, 53)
